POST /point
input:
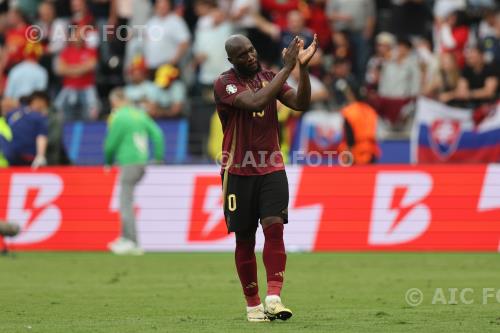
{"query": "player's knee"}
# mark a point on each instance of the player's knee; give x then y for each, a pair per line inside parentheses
(245, 236)
(268, 221)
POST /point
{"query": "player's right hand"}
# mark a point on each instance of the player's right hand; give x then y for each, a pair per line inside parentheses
(291, 53)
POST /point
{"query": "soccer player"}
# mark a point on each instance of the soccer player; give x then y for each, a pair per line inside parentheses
(254, 181)
(127, 143)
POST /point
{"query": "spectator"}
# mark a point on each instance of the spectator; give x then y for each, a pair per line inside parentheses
(105, 15)
(400, 82)
(76, 65)
(52, 28)
(208, 48)
(211, 59)
(83, 22)
(318, 22)
(401, 77)
(360, 130)
(487, 25)
(491, 43)
(28, 7)
(141, 12)
(411, 18)
(4, 6)
(15, 40)
(479, 81)
(277, 10)
(27, 76)
(444, 81)
(104, 11)
(126, 144)
(120, 14)
(140, 91)
(39, 101)
(295, 27)
(428, 61)
(343, 81)
(63, 8)
(342, 46)
(29, 137)
(242, 14)
(358, 19)
(453, 36)
(246, 18)
(164, 101)
(319, 92)
(384, 45)
(5, 138)
(53, 32)
(171, 92)
(166, 38)
(442, 8)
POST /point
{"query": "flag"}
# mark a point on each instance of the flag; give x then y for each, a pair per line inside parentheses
(321, 132)
(445, 134)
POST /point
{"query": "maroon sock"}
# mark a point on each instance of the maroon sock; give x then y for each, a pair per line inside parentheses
(246, 265)
(274, 256)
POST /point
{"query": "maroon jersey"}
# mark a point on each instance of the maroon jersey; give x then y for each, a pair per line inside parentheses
(251, 141)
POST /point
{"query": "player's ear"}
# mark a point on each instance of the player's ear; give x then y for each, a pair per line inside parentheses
(229, 59)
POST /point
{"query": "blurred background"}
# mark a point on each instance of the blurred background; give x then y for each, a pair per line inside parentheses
(62, 58)
(408, 87)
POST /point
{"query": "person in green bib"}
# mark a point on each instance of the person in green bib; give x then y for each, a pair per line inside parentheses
(127, 144)
(5, 138)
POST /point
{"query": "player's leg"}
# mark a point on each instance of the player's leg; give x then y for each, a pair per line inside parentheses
(130, 175)
(273, 207)
(246, 266)
(242, 219)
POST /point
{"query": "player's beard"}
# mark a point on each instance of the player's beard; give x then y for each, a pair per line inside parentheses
(249, 72)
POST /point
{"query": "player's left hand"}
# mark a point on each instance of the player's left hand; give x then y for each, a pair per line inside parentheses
(306, 55)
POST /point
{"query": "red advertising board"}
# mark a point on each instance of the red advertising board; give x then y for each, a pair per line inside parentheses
(389, 208)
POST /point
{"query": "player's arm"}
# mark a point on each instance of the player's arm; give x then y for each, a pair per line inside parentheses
(299, 100)
(113, 139)
(255, 102)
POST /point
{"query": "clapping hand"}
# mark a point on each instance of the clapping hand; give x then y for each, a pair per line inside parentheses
(305, 55)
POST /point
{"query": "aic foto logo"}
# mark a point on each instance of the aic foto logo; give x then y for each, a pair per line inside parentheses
(31, 205)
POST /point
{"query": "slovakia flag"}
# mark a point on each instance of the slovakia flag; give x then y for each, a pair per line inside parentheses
(321, 132)
(444, 134)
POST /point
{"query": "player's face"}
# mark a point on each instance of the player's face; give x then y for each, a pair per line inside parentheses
(245, 59)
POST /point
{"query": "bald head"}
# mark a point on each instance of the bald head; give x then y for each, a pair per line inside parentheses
(236, 43)
(242, 54)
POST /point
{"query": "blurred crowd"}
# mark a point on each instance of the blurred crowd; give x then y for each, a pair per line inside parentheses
(65, 56)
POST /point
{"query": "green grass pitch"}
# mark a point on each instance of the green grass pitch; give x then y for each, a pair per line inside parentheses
(199, 292)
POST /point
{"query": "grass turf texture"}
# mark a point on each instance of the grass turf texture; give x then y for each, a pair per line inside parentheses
(199, 292)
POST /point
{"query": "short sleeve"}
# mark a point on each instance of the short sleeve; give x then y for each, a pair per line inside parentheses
(43, 126)
(226, 89)
(181, 30)
(490, 71)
